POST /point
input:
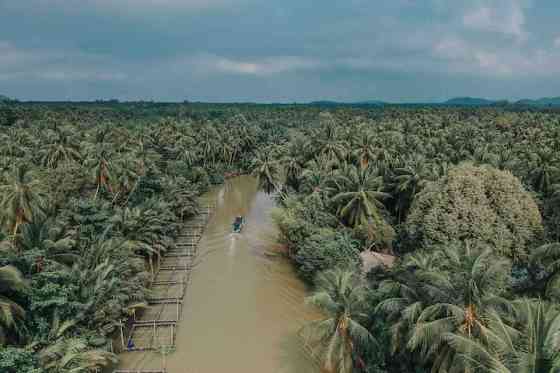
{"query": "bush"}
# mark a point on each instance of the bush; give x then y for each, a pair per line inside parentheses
(300, 219)
(481, 205)
(18, 360)
(325, 250)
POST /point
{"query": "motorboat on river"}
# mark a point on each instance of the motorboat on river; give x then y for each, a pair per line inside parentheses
(238, 224)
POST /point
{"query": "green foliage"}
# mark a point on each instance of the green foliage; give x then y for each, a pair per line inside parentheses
(339, 339)
(326, 249)
(452, 290)
(479, 205)
(90, 197)
(529, 345)
(11, 281)
(19, 360)
(107, 184)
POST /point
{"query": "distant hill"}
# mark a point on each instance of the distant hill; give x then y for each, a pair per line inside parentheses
(372, 102)
(4, 98)
(541, 102)
(359, 103)
(470, 101)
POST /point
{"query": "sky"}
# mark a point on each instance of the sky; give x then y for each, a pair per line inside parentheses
(279, 50)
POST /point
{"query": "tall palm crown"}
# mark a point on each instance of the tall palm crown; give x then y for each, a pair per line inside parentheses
(466, 285)
(101, 168)
(365, 149)
(21, 201)
(545, 170)
(407, 181)
(339, 336)
(60, 152)
(11, 281)
(528, 344)
(359, 197)
(267, 170)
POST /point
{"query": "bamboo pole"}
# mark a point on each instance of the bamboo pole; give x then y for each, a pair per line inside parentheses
(122, 335)
(154, 334)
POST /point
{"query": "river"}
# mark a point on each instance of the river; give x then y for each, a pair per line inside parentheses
(243, 308)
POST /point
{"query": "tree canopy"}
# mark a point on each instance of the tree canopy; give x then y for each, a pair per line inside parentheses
(479, 205)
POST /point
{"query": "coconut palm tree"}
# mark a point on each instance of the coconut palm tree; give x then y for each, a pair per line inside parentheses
(467, 285)
(405, 298)
(339, 337)
(527, 344)
(73, 355)
(11, 281)
(61, 152)
(365, 149)
(358, 197)
(406, 182)
(101, 169)
(544, 170)
(548, 256)
(267, 170)
(21, 199)
(128, 174)
(293, 162)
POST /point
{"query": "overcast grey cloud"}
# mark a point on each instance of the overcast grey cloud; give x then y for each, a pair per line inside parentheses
(290, 50)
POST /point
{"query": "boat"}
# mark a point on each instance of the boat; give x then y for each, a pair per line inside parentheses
(238, 224)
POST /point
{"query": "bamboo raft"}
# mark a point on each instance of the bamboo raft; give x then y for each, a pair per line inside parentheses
(156, 328)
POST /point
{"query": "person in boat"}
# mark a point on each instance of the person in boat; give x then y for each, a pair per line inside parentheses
(237, 223)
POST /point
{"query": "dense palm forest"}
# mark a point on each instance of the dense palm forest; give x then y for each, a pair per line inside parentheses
(466, 202)
(91, 198)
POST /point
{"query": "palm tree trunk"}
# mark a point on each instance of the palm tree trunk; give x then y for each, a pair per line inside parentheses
(97, 191)
(16, 225)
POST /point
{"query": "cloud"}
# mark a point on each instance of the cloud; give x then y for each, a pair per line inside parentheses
(471, 58)
(10, 56)
(121, 7)
(504, 17)
(465, 57)
(267, 66)
(231, 49)
(59, 65)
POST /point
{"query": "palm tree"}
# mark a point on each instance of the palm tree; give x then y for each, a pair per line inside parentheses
(544, 170)
(267, 171)
(407, 181)
(60, 152)
(144, 153)
(529, 344)
(315, 181)
(548, 256)
(468, 284)
(70, 355)
(365, 149)
(101, 169)
(339, 337)
(358, 200)
(293, 162)
(128, 176)
(20, 199)
(55, 243)
(11, 281)
(405, 298)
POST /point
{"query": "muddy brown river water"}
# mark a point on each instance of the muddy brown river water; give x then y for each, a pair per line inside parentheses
(243, 308)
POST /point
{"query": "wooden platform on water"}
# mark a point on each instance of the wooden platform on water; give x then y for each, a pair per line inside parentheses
(157, 327)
